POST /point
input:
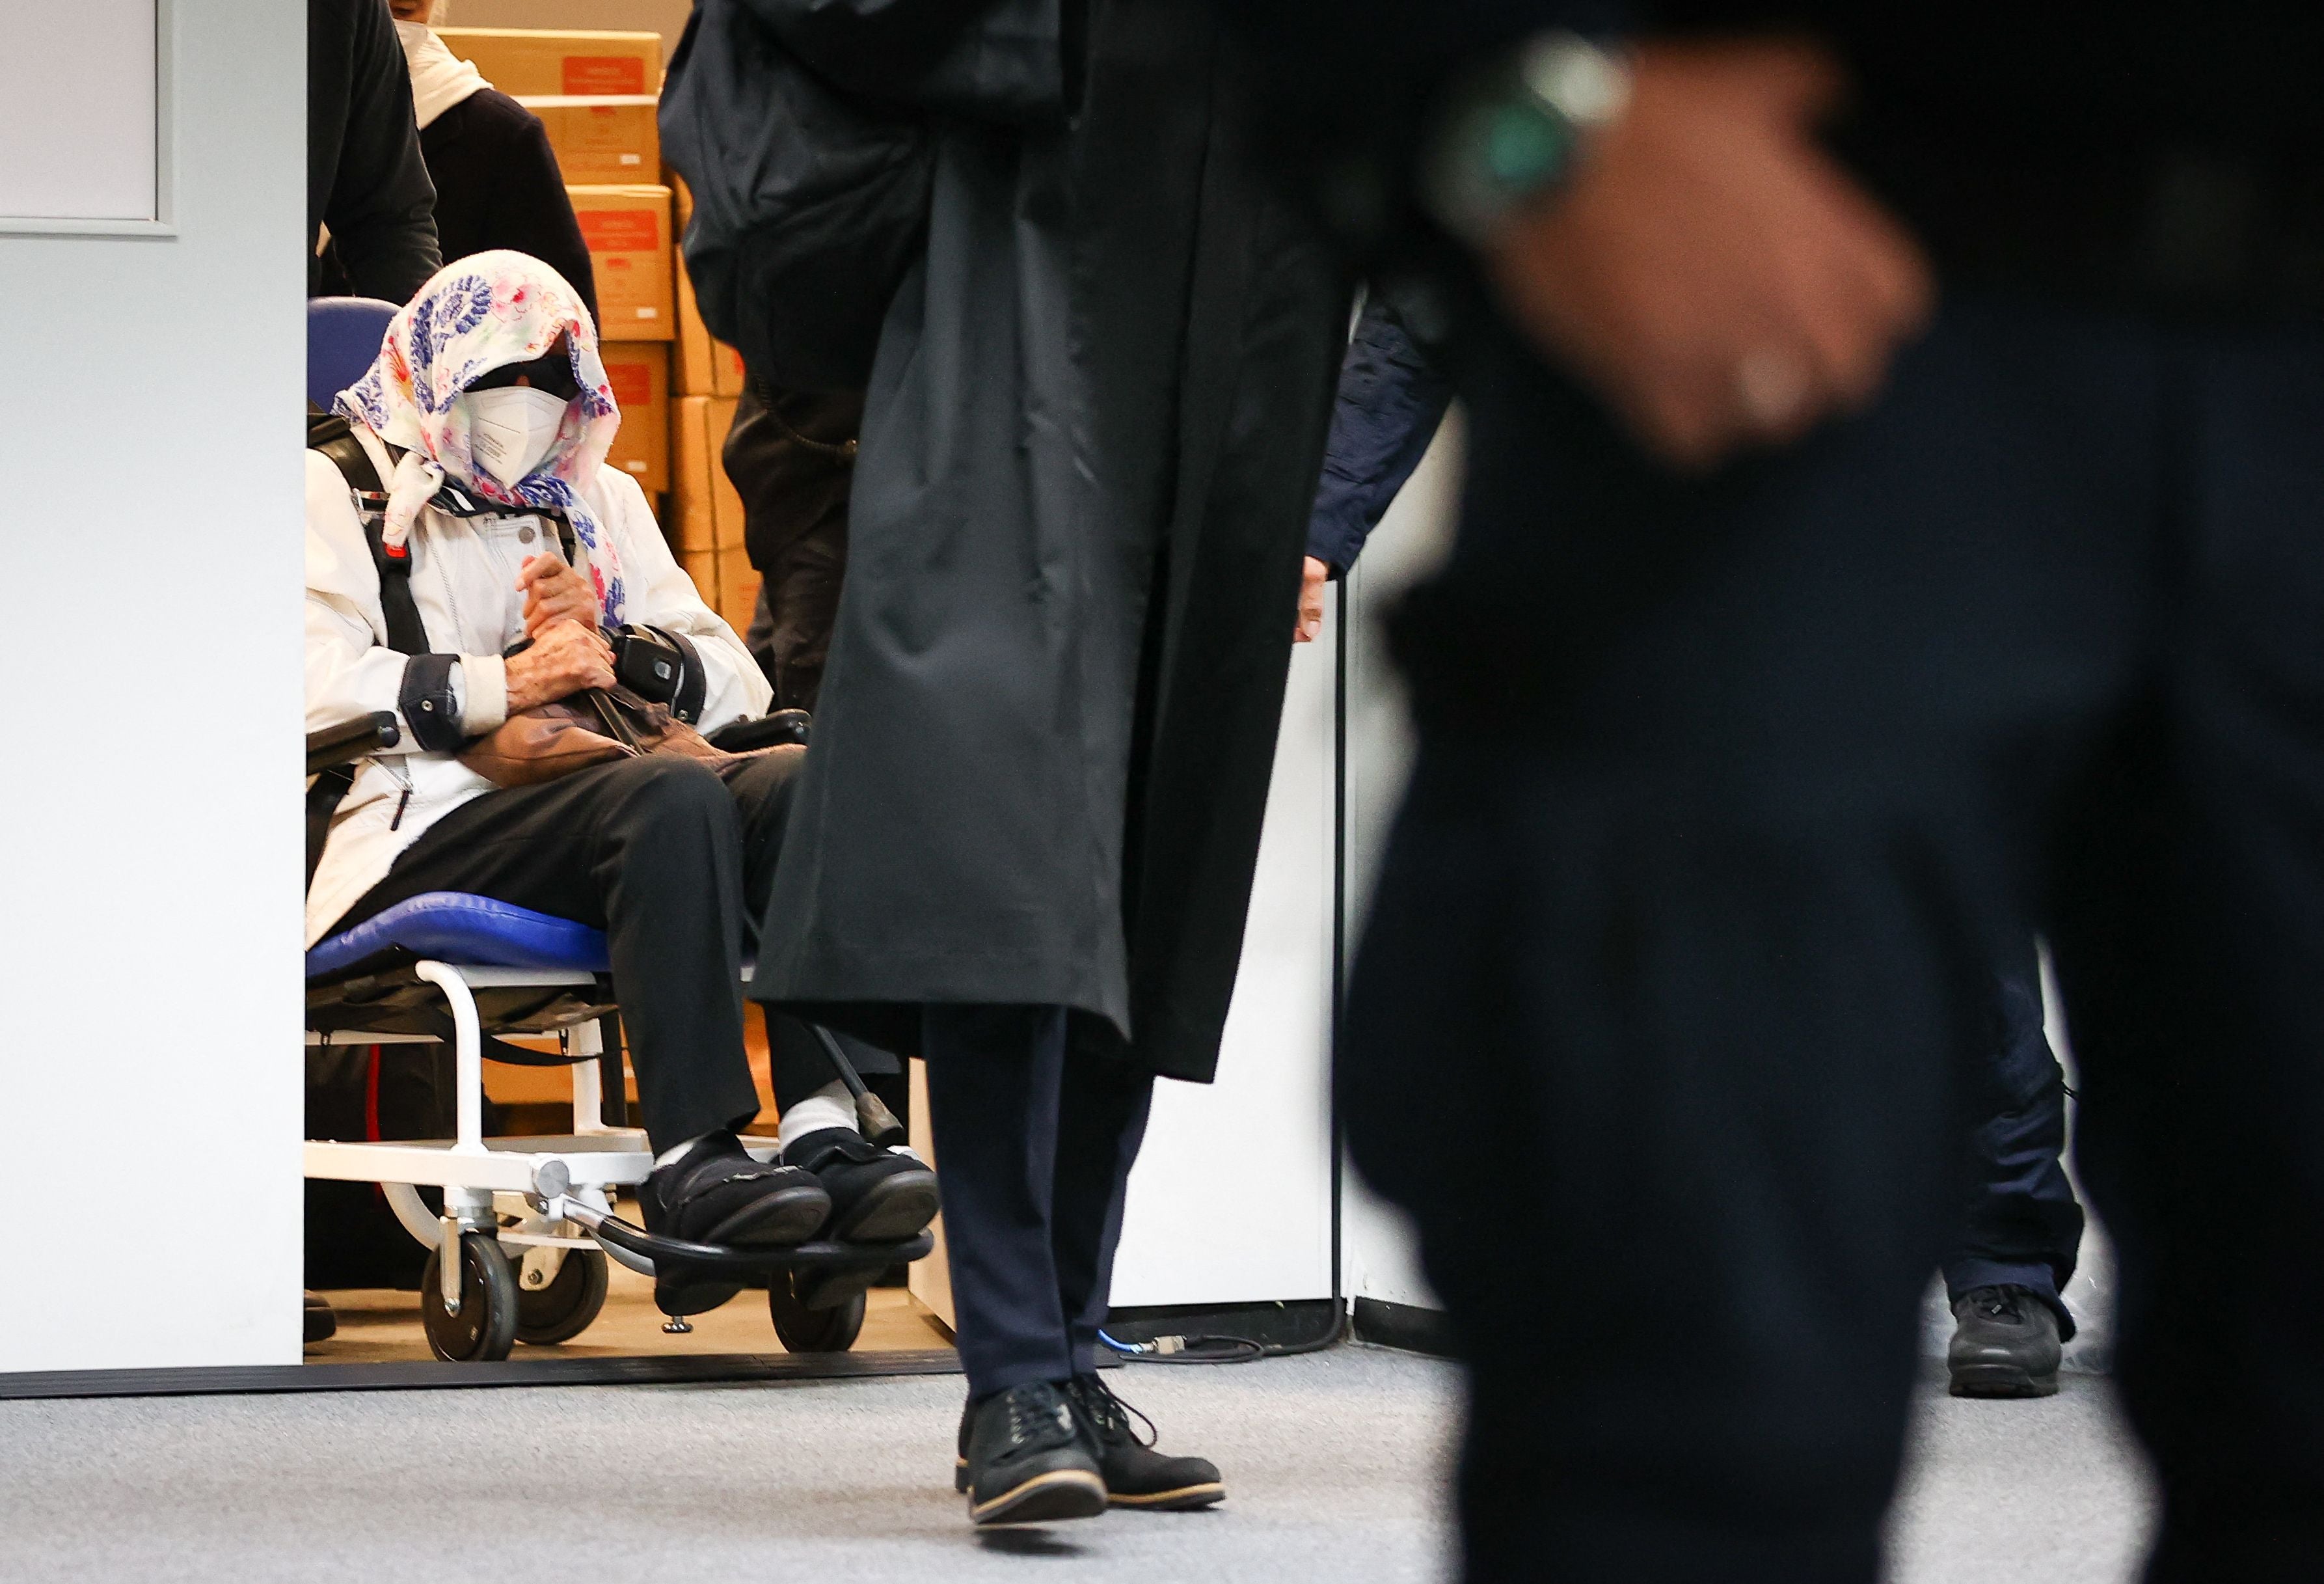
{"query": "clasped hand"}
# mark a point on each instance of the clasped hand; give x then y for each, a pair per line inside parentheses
(563, 659)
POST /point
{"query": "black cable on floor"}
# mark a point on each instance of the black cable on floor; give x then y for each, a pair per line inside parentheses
(1215, 1349)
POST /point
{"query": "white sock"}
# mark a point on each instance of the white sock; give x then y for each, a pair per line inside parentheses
(675, 1151)
(829, 1107)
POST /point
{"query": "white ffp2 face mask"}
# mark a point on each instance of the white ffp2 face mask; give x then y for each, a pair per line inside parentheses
(511, 429)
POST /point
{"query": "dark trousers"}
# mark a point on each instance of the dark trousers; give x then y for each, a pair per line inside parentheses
(791, 457)
(673, 860)
(2021, 1226)
(1731, 792)
(1035, 1149)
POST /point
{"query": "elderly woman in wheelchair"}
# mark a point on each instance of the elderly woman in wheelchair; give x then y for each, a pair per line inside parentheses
(473, 570)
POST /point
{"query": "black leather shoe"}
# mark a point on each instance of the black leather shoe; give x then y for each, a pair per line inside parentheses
(1027, 1457)
(1135, 1474)
(717, 1193)
(2005, 1345)
(877, 1195)
(321, 1323)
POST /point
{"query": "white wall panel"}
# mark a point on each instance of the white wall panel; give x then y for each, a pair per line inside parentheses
(1232, 1200)
(1380, 1258)
(80, 111)
(150, 830)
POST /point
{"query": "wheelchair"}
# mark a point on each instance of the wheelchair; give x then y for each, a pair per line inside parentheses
(520, 1247)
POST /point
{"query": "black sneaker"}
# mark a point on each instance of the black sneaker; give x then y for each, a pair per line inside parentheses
(717, 1193)
(2005, 1345)
(1135, 1474)
(321, 1323)
(1027, 1457)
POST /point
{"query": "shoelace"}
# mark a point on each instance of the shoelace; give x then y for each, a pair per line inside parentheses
(1109, 1413)
(1030, 1411)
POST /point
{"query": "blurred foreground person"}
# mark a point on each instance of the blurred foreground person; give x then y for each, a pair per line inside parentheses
(2021, 1226)
(1895, 520)
(1024, 841)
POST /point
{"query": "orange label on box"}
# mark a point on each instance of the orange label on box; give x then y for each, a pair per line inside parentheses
(604, 74)
(620, 230)
(633, 383)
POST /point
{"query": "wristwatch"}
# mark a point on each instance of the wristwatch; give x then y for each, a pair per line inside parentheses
(1511, 133)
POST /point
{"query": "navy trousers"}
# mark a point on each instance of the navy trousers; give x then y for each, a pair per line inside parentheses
(1732, 791)
(1035, 1149)
(2021, 1226)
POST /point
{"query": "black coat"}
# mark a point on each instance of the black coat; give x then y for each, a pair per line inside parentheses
(497, 185)
(365, 178)
(1091, 443)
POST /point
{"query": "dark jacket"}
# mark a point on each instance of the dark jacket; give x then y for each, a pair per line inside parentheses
(497, 185)
(1090, 449)
(365, 178)
(1392, 400)
(790, 455)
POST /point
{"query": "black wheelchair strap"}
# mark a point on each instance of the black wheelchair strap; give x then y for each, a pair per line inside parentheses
(331, 435)
(694, 686)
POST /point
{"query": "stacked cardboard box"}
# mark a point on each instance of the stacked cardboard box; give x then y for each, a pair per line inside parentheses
(528, 62)
(639, 372)
(708, 375)
(706, 366)
(627, 229)
(704, 523)
(595, 93)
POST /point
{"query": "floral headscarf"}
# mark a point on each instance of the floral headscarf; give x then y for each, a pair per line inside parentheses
(484, 313)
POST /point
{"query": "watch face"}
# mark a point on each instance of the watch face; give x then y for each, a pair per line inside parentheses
(1523, 147)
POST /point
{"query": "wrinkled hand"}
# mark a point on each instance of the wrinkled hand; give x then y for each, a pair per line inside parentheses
(555, 592)
(1711, 271)
(1312, 579)
(562, 661)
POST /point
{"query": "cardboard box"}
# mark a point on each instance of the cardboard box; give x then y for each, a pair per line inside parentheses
(607, 138)
(639, 372)
(704, 365)
(627, 229)
(738, 590)
(528, 62)
(708, 513)
(702, 566)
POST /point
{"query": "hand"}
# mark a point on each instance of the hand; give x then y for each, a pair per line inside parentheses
(555, 592)
(1312, 579)
(1711, 271)
(562, 661)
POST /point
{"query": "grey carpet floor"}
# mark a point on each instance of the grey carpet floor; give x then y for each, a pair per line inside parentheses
(1335, 1464)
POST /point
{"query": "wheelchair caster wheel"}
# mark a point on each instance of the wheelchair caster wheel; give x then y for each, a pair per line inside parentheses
(485, 1329)
(567, 1306)
(812, 1330)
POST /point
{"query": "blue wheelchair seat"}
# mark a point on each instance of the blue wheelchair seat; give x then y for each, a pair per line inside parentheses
(470, 931)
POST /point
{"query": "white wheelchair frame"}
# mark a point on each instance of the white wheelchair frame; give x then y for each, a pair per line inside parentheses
(558, 1185)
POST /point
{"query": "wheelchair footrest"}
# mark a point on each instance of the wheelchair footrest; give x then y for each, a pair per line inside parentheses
(818, 1256)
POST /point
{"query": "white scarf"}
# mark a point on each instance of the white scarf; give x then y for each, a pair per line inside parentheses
(439, 79)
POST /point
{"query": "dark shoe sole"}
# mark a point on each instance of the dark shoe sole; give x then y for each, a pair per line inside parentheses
(2000, 1380)
(783, 1219)
(1186, 1498)
(1043, 1498)
(680, 1294)
(892, 1209)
